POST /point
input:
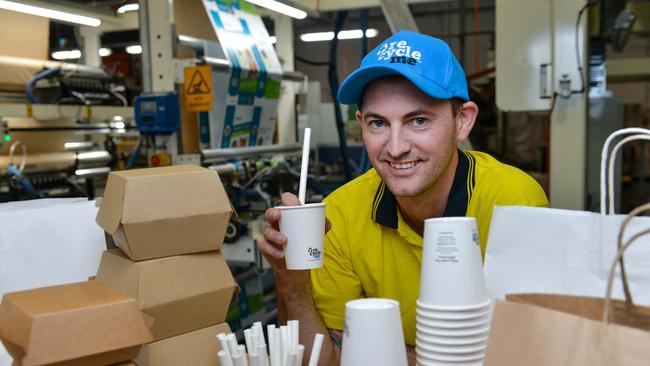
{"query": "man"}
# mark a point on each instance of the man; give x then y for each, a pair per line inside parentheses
(413, 109)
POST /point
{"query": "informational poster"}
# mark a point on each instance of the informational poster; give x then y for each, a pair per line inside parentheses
(246, 114)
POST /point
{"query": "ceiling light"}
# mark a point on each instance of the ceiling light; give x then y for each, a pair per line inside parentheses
(66, 55)
(134, 50)
(128, 7)
(280, 8)
(50, 13)
(347, 34)
(103, 52)
(318, 36)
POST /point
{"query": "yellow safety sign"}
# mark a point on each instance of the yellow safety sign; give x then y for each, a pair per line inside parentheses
(198, 88)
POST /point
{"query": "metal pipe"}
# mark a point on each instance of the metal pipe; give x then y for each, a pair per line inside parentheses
(78, 145)
(224, 168)
(212, 155)
(222, 64)
(92, 172)
(94, 157)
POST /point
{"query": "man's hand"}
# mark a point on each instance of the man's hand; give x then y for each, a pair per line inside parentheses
(272, 243)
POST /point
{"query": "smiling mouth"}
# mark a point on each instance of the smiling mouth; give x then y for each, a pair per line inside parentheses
(403, 165)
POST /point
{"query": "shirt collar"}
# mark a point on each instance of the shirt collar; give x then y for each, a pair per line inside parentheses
(384, 207)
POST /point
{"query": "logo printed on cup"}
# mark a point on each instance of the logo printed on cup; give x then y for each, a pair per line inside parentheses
(314, 253)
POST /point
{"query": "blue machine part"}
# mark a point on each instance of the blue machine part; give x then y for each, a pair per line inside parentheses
(157, 113)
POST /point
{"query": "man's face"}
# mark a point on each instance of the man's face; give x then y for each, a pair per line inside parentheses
(410, 137)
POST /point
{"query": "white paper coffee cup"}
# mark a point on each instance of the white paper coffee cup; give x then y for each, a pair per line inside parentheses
(304, 227)
(452, 269)
(373, 334)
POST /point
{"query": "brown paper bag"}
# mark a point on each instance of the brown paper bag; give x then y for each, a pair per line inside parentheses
(540, 329)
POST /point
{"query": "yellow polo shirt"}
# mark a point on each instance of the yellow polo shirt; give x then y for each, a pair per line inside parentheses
(371, 252)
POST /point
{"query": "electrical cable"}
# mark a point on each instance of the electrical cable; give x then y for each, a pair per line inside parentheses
(29, 89)
(577, 45)
(119, 96)
(364, 162)
(334, 88)
(310, 62)
(135, 153)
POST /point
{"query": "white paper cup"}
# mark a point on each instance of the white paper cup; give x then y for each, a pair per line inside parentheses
(450, 350)
(451, 341)
(452, 269)
(425, 361)
(373, 334)
(452, 324)
(456, 309)
(452, 333)
(304, 227)
(441, 315)
(436, 357)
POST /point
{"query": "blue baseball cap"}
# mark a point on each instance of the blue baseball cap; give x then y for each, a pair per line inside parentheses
(425, 61)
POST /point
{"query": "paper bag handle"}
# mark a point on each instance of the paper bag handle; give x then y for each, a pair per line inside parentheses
(619, 255)
(604, 156)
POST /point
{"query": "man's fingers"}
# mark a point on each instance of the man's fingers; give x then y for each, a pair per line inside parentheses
(274, 236)
(268, 249)
(328, 226)
(272, 216)
(290, 199)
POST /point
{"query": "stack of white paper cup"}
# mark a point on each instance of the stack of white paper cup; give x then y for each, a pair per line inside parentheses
(373, 334)
(453, 310)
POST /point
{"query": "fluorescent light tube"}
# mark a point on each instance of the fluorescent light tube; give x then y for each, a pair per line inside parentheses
(50, 13)
(134, 50)
(66, 55)
(103, 52)
(128, 7)
(280, 8)
(347, 34)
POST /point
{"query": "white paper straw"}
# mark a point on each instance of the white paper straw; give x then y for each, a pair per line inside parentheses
(241, 349)
(292, 358)
(276, 359)
(300, 350)
(284, 333)
(315, 349)
(254, 359)
(255, 343)
(304, 166)
(223, 343)
(232, 343)
(261, 348)
(224, 358)
(238, 358)
(294, 333)
(247, 339)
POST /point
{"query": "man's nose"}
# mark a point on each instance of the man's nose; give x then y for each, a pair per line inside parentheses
(398, 143)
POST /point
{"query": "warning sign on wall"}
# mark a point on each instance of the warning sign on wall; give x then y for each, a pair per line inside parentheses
(198, 88)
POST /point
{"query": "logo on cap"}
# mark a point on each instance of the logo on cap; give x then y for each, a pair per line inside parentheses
(398, 52)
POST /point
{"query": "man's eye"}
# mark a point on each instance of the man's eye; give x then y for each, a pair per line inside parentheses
(419, 122)
(377, 123)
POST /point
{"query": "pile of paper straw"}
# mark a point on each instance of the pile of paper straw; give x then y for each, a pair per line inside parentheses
(282, 349)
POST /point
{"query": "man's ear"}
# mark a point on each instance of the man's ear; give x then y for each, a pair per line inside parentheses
(465, 120)
(358, 116)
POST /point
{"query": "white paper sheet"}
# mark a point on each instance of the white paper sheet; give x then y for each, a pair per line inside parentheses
(47, 242)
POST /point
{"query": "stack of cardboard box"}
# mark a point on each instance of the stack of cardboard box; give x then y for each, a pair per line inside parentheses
(169, 224)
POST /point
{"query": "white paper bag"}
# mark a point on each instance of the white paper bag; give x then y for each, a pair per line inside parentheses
(567, 252)
(562, 252)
